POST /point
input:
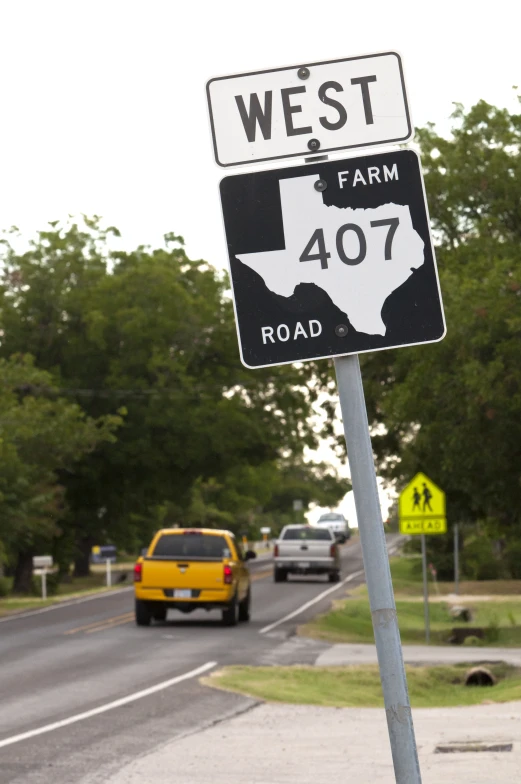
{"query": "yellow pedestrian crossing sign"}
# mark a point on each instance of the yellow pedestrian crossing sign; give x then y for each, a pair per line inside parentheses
(421, 507)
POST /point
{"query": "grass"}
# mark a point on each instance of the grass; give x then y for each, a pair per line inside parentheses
(407, 581)
(342, 687)
(124, 566)
(350, 621)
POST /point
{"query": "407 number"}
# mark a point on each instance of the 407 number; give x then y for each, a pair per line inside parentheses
(317, 238)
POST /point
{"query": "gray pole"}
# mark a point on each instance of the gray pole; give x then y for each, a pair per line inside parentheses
(425, 591)
(456, 559)
(378, 574)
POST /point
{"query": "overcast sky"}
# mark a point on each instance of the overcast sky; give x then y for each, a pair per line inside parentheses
(104, 109)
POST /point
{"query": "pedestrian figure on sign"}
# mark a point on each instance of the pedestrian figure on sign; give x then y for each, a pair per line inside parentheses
(427, 495)
(416, 498)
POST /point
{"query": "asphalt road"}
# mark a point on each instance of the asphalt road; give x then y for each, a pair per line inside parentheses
(84, 691)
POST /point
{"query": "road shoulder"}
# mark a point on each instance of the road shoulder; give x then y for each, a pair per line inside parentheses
(326, 742)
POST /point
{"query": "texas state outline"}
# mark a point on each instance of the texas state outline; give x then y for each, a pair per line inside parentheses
(358, 290)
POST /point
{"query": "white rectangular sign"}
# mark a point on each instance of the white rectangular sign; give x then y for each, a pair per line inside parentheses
(313, 108)
(42, 562)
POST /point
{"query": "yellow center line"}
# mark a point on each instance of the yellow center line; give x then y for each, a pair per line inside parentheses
(261, 575)
(111, 625)
(96, 623)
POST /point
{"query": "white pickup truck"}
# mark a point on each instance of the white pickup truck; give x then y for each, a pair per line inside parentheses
(301, 549)
(337, 523)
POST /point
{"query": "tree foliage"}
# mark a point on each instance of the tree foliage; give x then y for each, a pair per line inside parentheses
(149, 333)
(453, 409)
(42, 436)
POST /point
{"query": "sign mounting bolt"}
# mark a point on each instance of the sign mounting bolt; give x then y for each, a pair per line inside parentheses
(341, 330)
(320, 186)
(313, 144)
(303, 73)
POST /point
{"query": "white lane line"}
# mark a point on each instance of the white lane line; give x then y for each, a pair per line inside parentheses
(311, 603)
(138, 695)
(58, 606)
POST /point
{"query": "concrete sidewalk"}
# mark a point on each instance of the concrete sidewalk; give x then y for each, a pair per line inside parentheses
(284, 744)
(339, 655)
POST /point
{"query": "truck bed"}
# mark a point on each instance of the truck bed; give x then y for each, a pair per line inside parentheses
(304, 550)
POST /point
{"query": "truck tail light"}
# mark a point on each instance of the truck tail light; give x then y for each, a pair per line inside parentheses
(276, 551)
(138, 572)
(332, 551)
(228, 574)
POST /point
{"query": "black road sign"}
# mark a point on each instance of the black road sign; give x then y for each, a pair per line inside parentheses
(331, 258)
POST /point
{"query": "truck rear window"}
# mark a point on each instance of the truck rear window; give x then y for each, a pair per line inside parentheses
(320, 534)
(204, 546)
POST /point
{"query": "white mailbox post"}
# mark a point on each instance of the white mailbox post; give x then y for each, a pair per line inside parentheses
(42, 565)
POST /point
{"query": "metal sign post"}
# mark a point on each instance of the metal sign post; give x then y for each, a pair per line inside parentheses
(456, 559)
(337, 257)
(109, 574)
(425, 591)
(377, 571)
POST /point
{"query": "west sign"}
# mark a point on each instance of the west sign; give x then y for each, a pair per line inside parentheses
(309, 108)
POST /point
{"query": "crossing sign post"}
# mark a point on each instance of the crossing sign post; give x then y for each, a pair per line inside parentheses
(421, 511)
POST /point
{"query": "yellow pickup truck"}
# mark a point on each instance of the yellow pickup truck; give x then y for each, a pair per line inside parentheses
(191, 569)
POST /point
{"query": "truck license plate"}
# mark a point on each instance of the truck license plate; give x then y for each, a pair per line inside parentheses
(182, 594)
(303, 565)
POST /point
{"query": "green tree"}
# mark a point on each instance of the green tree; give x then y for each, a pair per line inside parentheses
(41, 436)
(251, 497)
(151, 331)
(453, 409)
(311, 483)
